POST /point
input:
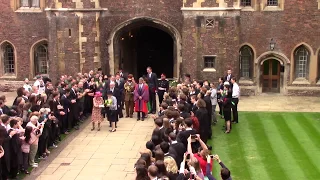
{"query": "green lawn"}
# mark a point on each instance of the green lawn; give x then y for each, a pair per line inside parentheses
(269, 146)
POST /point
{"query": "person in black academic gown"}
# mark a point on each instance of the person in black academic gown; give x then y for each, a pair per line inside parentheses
(15, 150)
(5, 138)
(202, 115)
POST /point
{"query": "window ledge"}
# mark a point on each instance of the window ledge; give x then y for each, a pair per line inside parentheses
(244, 81)
(9, 76)
(209, 70)
(247, 8)
(272, 8)
(301, 81)
(29, 10)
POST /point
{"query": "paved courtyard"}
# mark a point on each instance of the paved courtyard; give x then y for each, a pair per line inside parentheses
(103, 155)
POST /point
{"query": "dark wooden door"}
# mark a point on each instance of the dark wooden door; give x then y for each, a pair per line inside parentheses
(271, 76)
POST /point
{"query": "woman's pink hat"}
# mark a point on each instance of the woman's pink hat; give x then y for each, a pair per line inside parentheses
(97, 94)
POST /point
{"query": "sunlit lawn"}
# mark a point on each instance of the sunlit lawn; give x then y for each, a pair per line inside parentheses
(269, 146)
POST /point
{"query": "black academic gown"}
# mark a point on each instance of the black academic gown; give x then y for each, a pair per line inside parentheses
(5, 160)
(15, 152)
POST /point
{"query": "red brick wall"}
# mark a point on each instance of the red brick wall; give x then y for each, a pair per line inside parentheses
(222, 40)
(22, 30)
(299, 22)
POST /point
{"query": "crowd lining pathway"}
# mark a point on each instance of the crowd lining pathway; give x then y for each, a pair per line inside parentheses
(95, 155)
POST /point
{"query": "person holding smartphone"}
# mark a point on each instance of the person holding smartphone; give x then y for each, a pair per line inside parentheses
(224, 172)
(202, 153)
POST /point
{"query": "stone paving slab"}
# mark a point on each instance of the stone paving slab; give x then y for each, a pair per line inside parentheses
(100, 153)
(104, 155)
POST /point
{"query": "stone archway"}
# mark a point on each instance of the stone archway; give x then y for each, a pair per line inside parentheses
(127, 26)
(284, 69)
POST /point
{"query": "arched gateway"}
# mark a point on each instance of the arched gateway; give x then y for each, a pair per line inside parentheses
(144, 41)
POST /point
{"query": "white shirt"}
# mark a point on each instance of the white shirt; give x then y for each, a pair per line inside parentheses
(188, 129)
(36, 83)
(140, 86)
(228, 77)
(174, 142)
(150, 75)
(27, 87)
(235, 91)
(161, 127)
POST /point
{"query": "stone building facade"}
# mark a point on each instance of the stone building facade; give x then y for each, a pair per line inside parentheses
(270, 45)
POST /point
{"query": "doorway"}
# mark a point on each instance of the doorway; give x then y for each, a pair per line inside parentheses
(271, 76)
(143, 46)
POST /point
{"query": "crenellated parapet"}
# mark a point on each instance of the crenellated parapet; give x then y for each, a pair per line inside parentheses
(211, 3)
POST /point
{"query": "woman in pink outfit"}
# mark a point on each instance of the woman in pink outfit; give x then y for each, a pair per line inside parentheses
(96, 110)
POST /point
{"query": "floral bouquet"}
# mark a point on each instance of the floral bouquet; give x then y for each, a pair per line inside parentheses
(173, 83)
(108, 102)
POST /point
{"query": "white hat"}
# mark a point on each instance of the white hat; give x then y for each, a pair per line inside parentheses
(226, 83)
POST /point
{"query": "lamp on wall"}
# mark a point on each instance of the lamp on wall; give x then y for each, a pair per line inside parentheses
(272, 44)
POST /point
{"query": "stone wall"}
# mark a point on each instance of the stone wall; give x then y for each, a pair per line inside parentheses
(121, 11)
(22, 30)
(79, 39)
(297, 23)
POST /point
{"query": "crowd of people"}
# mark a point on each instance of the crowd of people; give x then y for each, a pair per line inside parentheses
(43, 111)
(178, 147)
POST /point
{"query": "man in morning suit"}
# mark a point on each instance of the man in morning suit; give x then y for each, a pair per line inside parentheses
(120, 83)
(176, 148)
(228, 77)
(153, 89)
(107, 85)
(73, 117)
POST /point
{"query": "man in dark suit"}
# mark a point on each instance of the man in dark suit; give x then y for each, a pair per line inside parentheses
(193, 100)
(65, 102)
(107, 85)
(5, 160)
(74, 113)
(122, 74)
(228, 76)
(120, 83)
(176, 148)
(153, 87)
(165, 147)
(184, 135)
(207, 100)
(159, 130)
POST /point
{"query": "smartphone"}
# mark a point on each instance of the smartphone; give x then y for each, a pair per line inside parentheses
(193, 136)
(212, 156)
(188, 157)
(192, 176)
